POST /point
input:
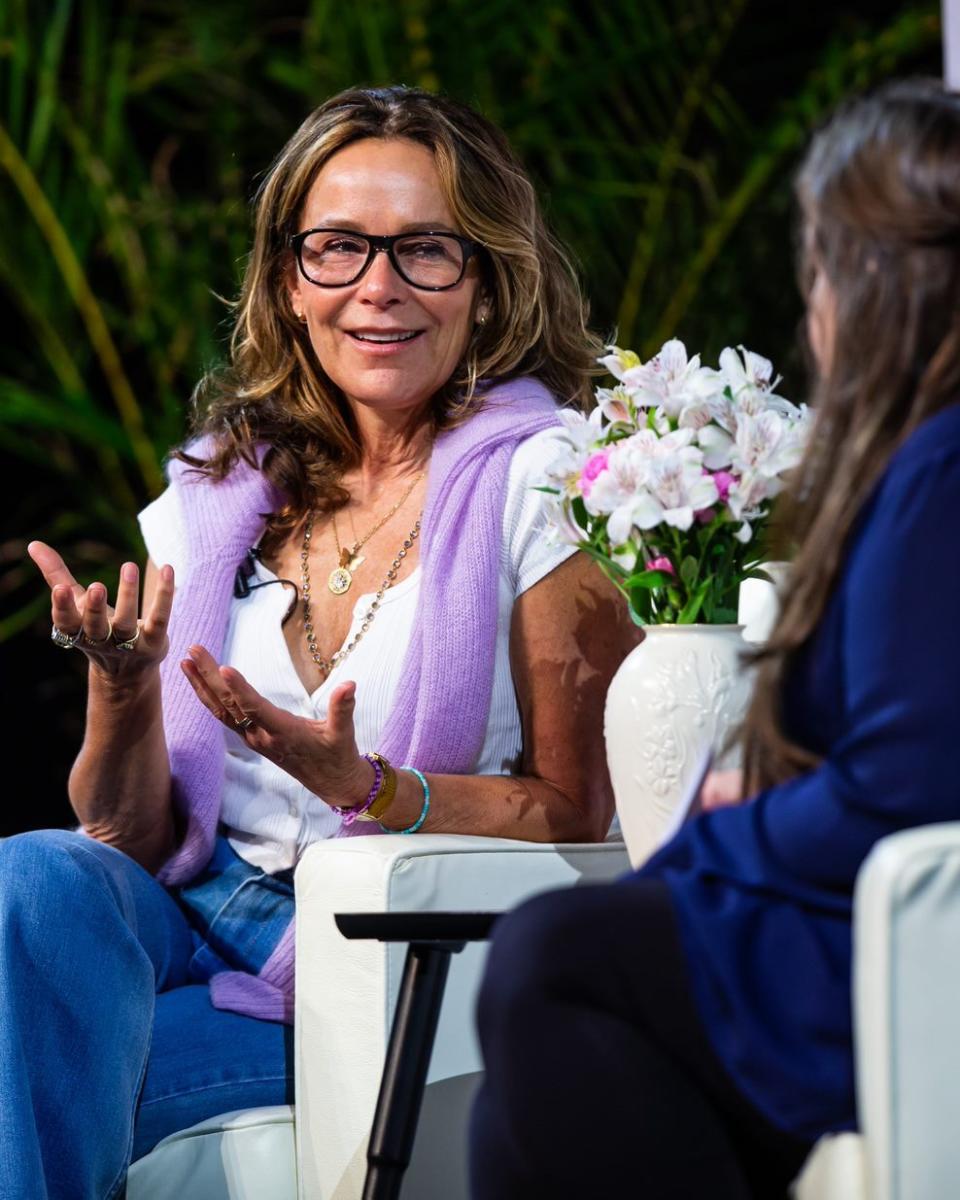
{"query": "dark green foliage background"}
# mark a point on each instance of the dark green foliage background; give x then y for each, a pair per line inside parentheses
(662, 135)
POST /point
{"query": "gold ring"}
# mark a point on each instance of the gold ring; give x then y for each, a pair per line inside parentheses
(99, 641)
(128, 643)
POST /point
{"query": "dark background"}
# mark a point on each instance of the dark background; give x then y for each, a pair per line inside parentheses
(663, 137)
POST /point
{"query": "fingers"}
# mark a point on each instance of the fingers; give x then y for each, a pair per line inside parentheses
(127, 609)
(96, 615)
(66, 615)
(722, 788)
(53, 568)
(156, 620)
(343, 701)
(205, 694)
(227, 695)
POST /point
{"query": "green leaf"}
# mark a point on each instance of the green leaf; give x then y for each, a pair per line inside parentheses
(689, 570)
(691, 610)
(648, 580)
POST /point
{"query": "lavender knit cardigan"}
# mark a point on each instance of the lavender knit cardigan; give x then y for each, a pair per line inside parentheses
(439, 717)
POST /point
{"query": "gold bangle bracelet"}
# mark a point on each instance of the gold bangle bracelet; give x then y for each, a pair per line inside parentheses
(386, 795)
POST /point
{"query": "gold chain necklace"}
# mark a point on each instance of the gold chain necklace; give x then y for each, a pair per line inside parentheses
(326, 665)
(347, 560)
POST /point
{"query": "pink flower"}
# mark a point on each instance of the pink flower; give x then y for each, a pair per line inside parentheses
(705, 515)
(595, 465)
(660, 564)
(724, 481)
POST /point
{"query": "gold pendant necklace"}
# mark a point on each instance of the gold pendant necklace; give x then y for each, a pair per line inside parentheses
(326, 665)
(341, 576)
(348, 559)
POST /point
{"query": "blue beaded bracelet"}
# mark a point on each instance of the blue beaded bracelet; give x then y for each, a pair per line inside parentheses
(423, 811)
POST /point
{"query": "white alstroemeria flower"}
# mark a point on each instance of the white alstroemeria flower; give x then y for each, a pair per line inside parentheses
(574, 446)
(650, 480)
(711, 406)
(619, 494)
(618, 361)
(670, 381)
(562, 529)
(681, 488)
(767, 445)
(765, 448)
(614, 404)
(579, 429)
(717, 447)
(748, 494)
(751, 381)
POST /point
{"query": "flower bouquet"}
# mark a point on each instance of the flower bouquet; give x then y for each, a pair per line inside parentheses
(668, 483)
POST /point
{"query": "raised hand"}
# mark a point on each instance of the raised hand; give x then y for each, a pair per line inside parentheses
(322, 755)
(116, 640)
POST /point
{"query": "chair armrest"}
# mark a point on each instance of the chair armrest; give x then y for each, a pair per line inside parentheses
(906, 1000)
(346, 990)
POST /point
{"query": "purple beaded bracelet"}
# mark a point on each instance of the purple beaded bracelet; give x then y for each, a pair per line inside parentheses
(351, 813)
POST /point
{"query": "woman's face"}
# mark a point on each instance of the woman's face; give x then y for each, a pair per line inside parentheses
(381, 187)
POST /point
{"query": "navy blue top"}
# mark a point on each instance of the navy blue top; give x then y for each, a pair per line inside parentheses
(763, 891)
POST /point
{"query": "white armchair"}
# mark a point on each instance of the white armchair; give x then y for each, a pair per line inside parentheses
(345, 996)
(907, 996)
(906, 1001)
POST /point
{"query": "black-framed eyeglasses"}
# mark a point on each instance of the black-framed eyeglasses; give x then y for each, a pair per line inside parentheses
(427, 260)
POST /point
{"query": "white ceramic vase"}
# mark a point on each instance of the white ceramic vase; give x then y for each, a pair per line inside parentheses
(682, 689)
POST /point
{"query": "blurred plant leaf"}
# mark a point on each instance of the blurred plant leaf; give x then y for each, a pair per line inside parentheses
(662, 136)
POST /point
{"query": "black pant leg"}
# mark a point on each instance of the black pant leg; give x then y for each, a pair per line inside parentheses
(600, 1078)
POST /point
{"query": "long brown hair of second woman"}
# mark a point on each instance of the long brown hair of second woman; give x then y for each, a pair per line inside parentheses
(879, 196)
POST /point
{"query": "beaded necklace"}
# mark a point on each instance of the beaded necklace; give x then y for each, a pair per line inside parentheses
(326, 665)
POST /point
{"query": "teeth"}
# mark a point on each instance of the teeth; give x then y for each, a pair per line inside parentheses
(385, 337)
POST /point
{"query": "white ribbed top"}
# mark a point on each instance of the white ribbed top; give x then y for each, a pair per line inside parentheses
(269, 817)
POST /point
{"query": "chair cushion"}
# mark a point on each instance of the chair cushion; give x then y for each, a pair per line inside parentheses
(834, 1170)
(245, 1155)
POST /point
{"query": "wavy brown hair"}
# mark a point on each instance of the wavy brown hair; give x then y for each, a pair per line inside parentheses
(273, 388)
(879, 195)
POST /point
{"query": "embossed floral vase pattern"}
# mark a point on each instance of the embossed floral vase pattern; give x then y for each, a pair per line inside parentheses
(683, 689)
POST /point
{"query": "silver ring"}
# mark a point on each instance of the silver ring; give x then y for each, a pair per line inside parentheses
(244, 724)
(127, 643)
(66, 641)
(99, 641)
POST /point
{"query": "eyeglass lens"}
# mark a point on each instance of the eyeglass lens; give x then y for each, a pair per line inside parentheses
(432, 261)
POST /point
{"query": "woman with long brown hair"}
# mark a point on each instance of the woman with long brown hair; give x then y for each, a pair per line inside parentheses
(687, 1031)
(369, 634)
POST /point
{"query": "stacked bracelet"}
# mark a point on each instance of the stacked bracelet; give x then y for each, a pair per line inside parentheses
(350, 814)
(423, 811)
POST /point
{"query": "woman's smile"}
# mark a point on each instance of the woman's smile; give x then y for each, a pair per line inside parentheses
(381, 342)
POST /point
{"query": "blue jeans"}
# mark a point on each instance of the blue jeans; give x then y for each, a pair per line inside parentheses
(108, 1039)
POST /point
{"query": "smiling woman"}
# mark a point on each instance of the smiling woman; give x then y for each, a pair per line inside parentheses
(405, 336)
